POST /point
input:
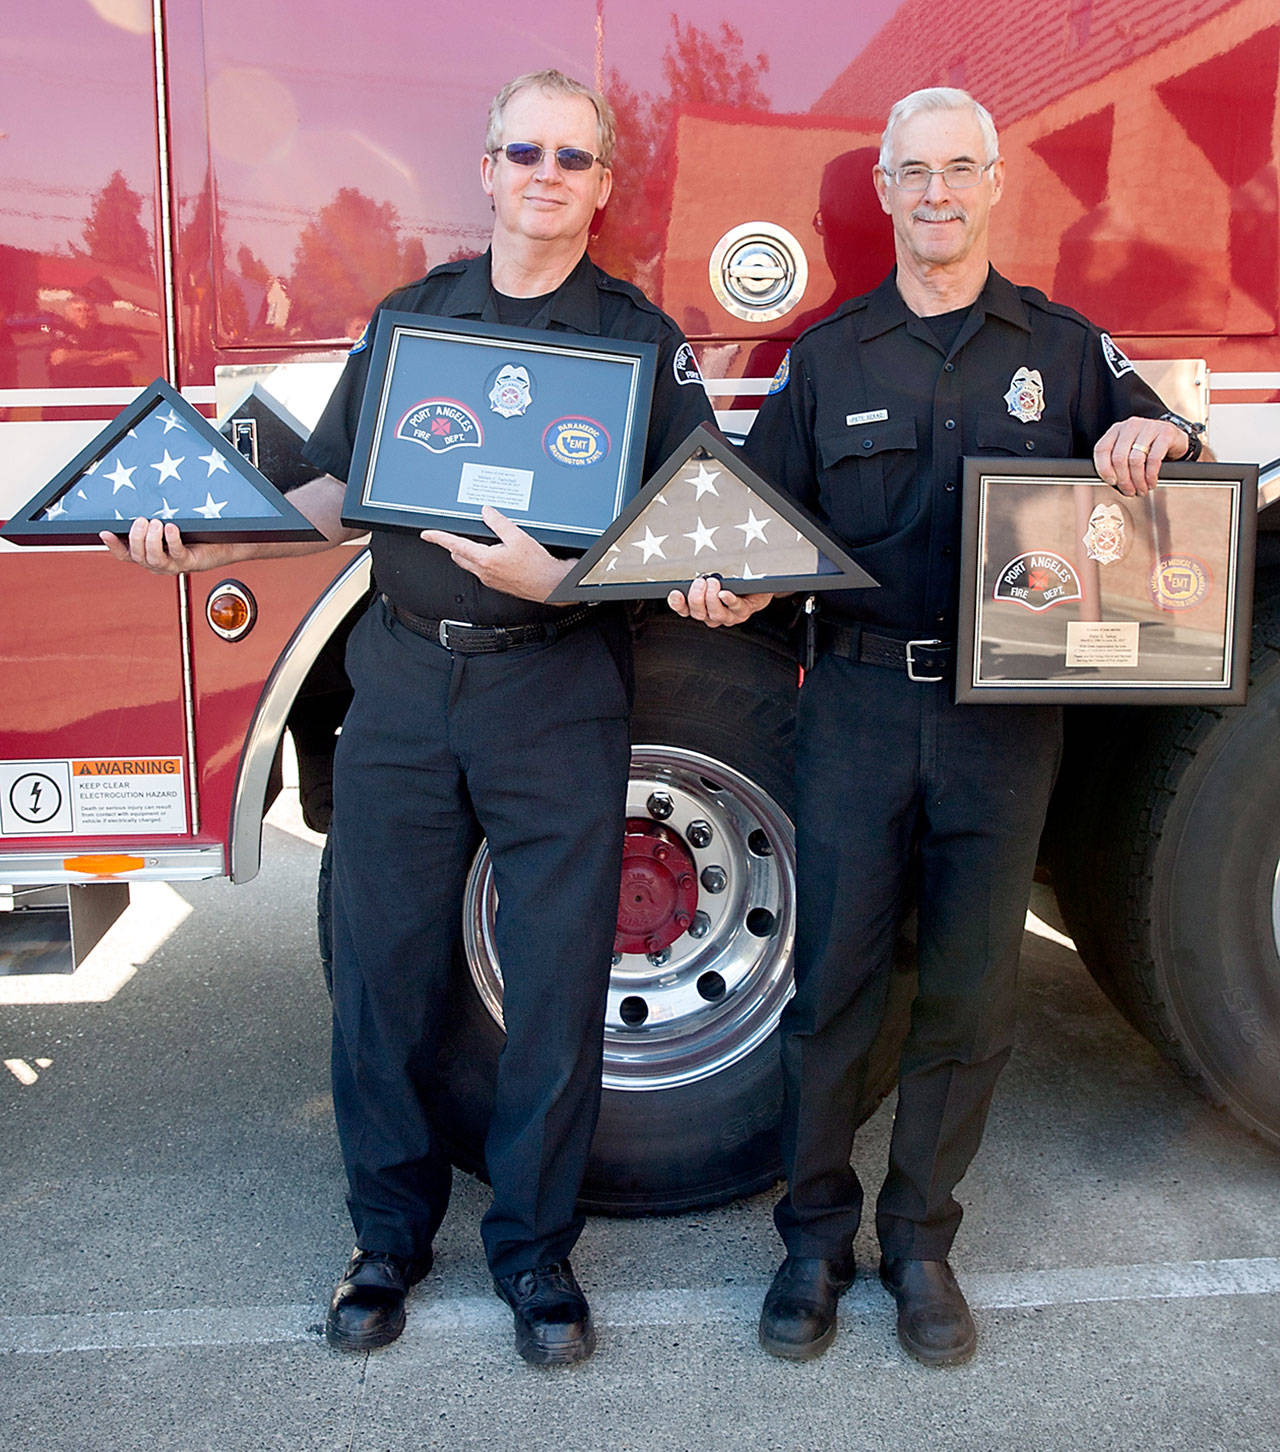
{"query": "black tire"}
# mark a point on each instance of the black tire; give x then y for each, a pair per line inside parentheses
(717, 706)
(1168, 882)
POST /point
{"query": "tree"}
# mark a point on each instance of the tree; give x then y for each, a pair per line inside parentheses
(700, 68)
(114, 233)
(347, 259)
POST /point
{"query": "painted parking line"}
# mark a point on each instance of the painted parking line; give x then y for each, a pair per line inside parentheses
(225, 1326)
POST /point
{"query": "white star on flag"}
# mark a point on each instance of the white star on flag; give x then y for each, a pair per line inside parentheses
(615, 554)
(753, 529)
(702, 537)
(651, 544)
(166, 511)
(215, 462)
(121, 478)
(172, 421)
(54, 510)
(210, 509)
(703, 482)
(168, 468)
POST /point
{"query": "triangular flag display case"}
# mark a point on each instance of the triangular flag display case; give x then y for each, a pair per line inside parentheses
(161, 459)
(705, 512)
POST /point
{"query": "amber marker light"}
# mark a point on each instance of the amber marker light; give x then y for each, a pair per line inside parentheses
(105, 864)
(231, 610)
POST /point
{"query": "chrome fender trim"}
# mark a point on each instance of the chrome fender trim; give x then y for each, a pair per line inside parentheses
(278, 695)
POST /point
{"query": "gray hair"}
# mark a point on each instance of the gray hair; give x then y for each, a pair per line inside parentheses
(555, 83)
(938, 98)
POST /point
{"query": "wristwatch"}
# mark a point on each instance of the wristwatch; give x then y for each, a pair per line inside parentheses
(1193, 432)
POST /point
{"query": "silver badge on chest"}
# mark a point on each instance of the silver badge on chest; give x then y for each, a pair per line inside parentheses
(1026, 395)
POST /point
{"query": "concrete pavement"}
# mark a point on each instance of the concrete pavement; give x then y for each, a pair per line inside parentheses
(171, 1221)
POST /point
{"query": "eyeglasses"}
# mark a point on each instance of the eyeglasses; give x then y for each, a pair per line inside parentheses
(528, 153)
(959, 176)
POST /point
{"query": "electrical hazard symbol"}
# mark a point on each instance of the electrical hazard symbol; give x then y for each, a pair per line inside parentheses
(35, 798)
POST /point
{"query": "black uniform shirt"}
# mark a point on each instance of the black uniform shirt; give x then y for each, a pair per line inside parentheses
(871, 425)
(421, 577)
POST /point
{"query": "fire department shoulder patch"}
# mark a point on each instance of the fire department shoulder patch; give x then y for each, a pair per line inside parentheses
(685, 366)
(441, 424)
(779, 380)
(1037, 580)
(1116, 360)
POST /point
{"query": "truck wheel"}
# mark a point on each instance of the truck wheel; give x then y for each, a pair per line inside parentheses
(692, 1085)
(1172, 887)
(693, 1090)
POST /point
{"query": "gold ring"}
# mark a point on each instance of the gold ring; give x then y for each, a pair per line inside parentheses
(1138, 449)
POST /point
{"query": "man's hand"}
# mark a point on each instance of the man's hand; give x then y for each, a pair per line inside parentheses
(1129, 454)
(159, 547)
(714, 606)
(517, 565)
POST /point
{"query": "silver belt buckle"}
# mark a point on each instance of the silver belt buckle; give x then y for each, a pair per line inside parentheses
(443, 632)
(911, 663)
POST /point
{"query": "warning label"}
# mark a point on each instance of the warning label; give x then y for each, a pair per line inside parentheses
(134, 796)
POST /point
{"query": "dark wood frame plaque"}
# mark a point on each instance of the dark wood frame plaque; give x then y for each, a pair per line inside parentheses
(560, 457)
(1073, 592)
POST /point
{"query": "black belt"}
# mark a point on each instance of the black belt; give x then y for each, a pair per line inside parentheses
(923, 660)
(464, 638)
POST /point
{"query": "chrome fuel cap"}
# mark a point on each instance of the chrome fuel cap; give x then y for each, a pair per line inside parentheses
(758, 271)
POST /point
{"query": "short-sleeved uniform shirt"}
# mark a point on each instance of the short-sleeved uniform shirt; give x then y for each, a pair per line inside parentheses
(421, 577)
(876, 412)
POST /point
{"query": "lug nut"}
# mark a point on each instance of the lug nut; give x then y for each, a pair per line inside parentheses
(659, 957)
(699, 833)
(715, 879)
(660, 806)
(700, 926)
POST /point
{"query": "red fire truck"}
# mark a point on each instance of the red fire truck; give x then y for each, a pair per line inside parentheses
(218, 193)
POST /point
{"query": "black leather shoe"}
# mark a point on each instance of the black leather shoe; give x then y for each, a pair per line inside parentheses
(934, 1321)
(798, 1318)
(553, 1320)
(367, 1308)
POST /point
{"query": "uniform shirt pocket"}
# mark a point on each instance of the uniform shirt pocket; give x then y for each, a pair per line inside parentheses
(867, 473)
(1025, 440)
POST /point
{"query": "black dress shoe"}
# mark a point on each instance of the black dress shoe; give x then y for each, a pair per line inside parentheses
(553, 1321)
(367, 1308)
(798, 1319)
(934, 1321)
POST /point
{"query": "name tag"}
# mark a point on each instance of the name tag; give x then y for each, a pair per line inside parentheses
(877, 415)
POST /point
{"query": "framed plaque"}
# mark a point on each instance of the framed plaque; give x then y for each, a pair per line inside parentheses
(1073, 592)
(547, 427)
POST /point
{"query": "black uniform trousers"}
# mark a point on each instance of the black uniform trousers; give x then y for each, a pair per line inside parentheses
(530, 747)
(893, 780)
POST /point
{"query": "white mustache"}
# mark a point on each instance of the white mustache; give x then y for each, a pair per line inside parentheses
(940, 214)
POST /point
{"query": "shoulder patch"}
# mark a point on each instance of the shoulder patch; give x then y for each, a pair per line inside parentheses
(783, 375)
(362, 342)
(1116, 360)
(685, 365)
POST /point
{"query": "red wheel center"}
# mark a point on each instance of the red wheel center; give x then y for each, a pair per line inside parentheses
(659, 893)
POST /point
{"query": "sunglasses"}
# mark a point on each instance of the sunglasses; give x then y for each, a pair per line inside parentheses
(528, 153)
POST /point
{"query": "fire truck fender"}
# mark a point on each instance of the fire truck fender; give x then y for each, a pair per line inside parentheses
(278, 695)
